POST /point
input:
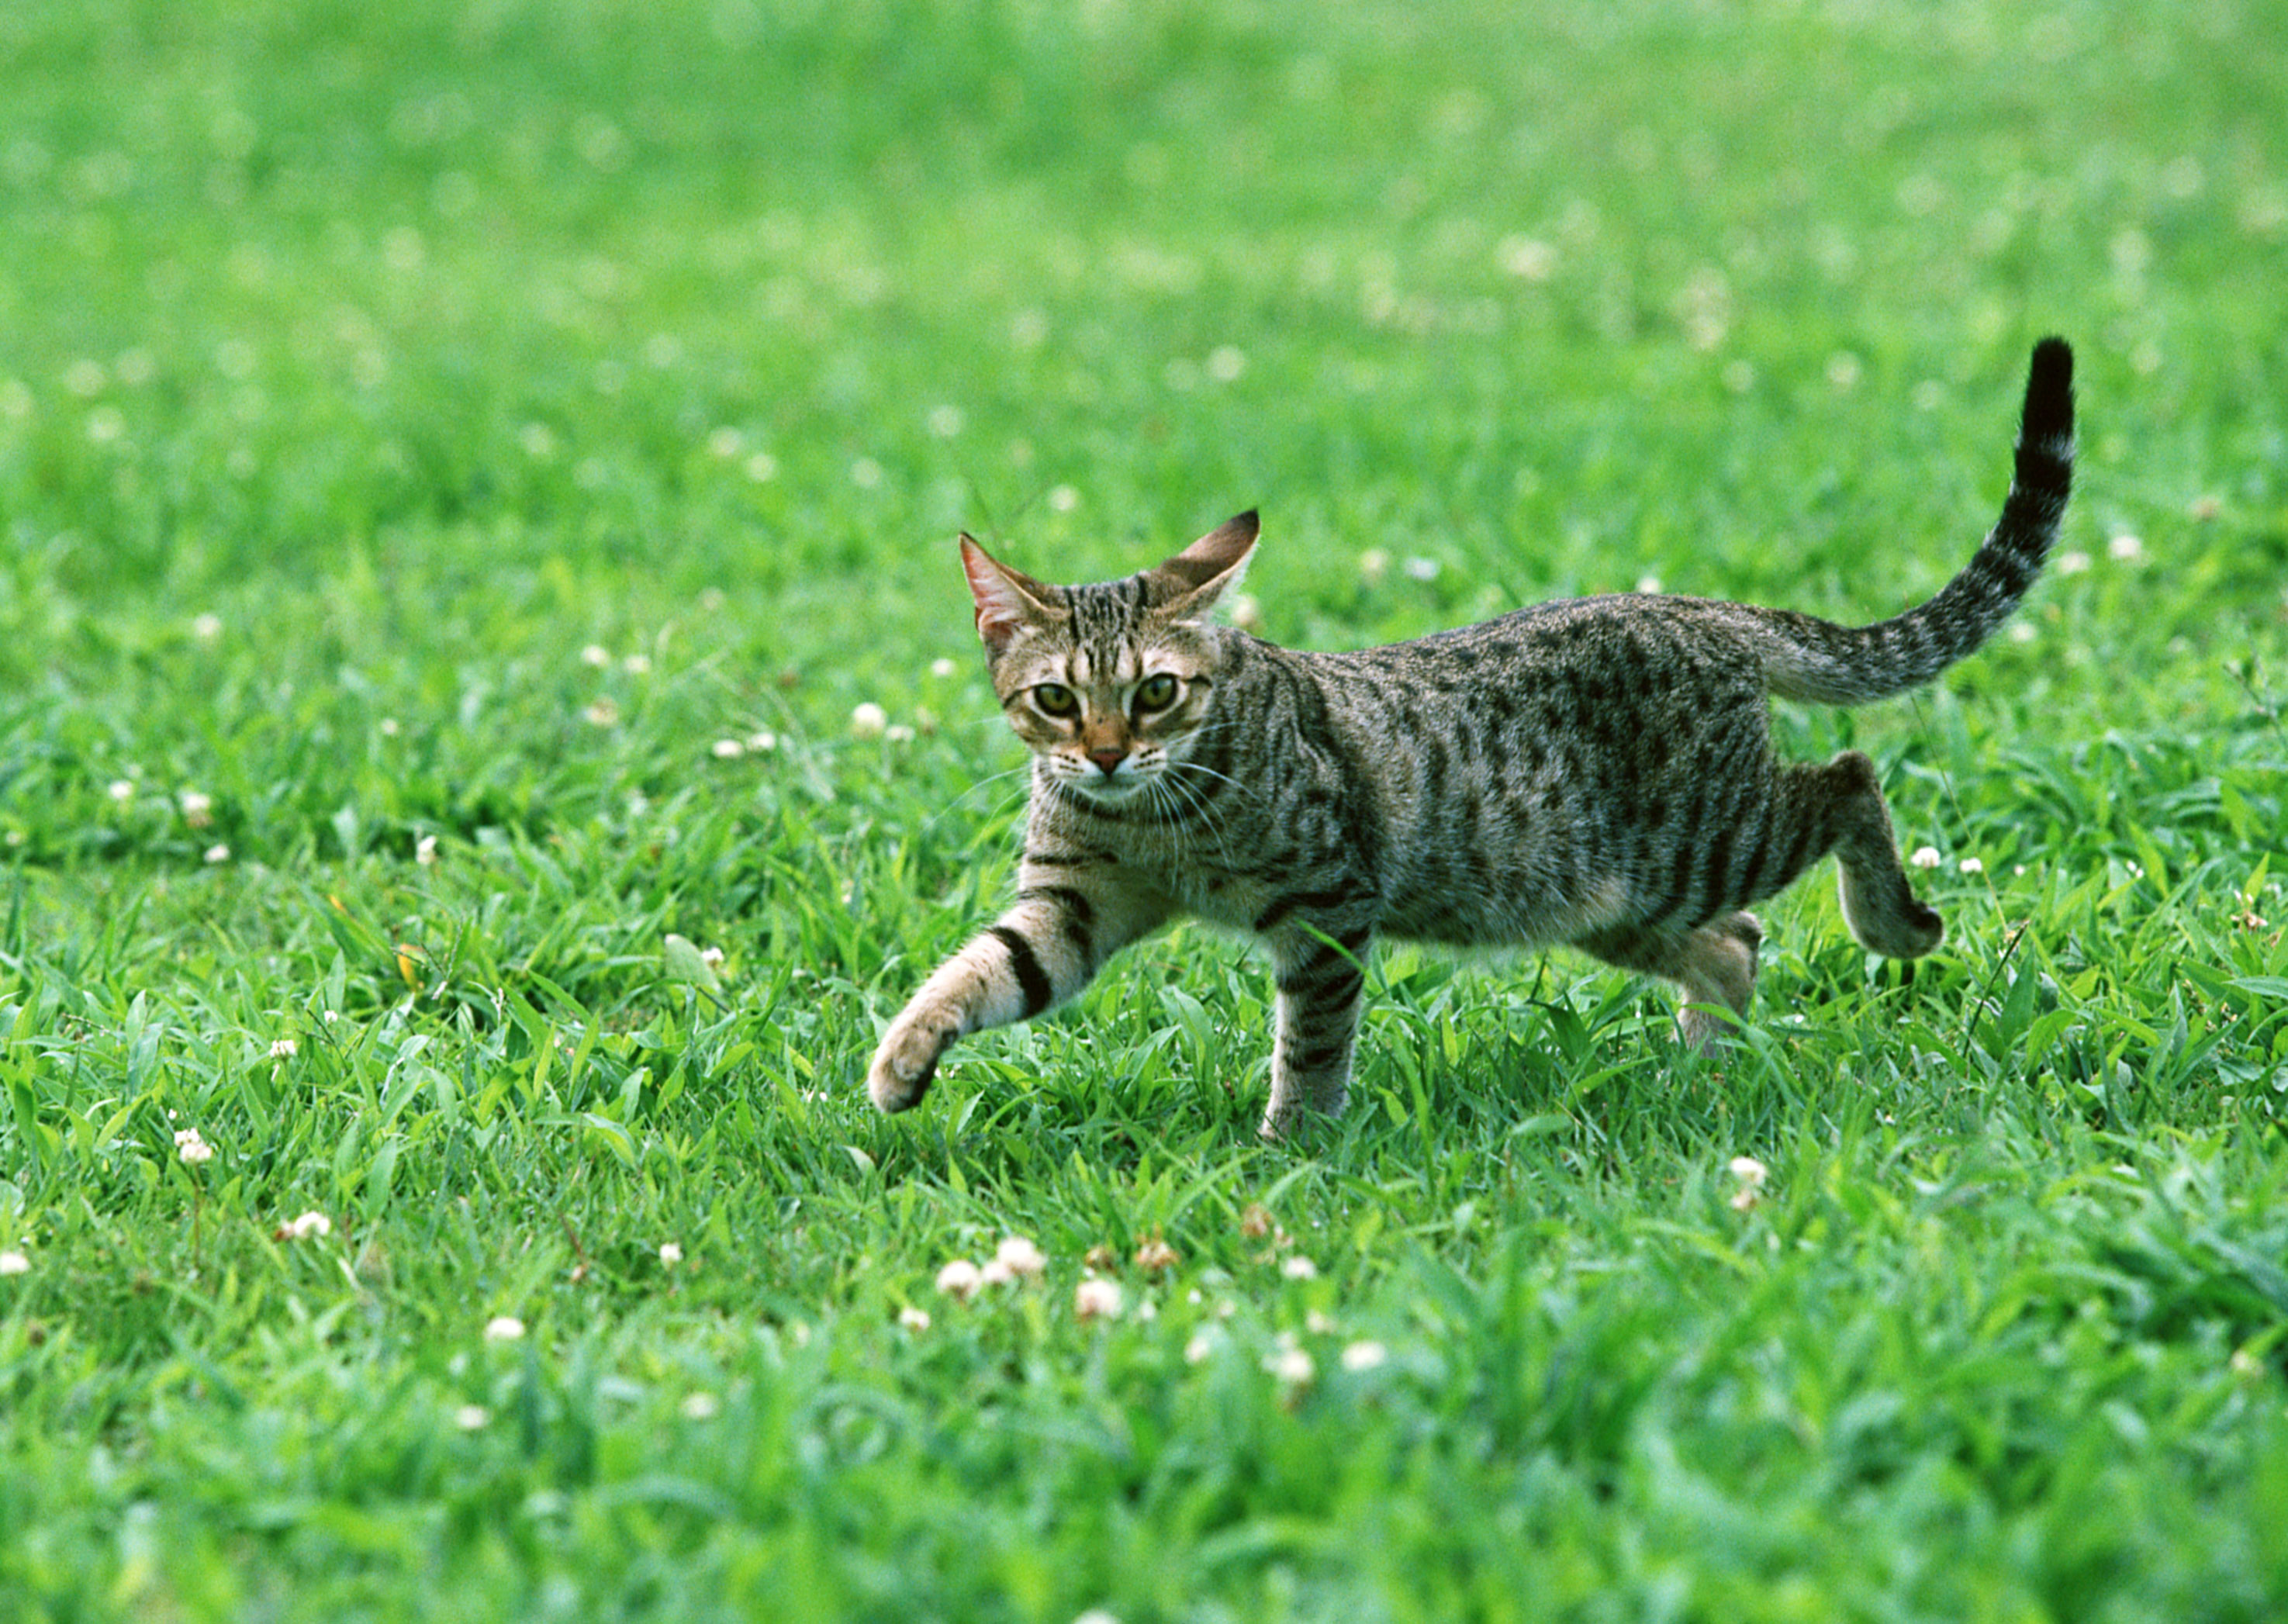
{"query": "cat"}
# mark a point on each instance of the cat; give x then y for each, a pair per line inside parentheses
(1594, 771)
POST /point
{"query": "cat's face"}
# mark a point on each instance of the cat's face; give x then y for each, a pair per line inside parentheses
(1109, 684)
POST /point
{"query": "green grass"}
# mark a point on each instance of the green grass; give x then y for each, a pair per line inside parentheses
(363, 367)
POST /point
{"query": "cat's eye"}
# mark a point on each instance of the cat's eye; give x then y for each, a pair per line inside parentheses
(1156, 693)
(1056, 700)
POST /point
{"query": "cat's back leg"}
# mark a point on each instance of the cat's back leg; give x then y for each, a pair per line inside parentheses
(1802, 814)
(1879, 905)
(1714, 964)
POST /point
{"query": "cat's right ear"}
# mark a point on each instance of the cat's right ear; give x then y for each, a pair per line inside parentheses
(1007, 599)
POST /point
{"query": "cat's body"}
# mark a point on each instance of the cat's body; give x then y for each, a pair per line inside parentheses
(1594, 772)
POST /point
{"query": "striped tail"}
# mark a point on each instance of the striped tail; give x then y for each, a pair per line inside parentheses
(1813, 659)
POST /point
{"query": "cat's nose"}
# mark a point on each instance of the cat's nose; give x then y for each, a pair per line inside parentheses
(1107, 760)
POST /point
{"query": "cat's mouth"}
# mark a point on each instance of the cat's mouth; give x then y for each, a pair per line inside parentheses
(1092, 783)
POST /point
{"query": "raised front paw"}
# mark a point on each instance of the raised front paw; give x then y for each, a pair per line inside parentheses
(904, 1065)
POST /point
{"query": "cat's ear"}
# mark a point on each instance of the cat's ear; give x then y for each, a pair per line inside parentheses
(1188, 585)
(1006, 598)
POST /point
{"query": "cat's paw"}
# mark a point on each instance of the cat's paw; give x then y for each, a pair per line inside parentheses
(903, 1066)
(1289, 1115)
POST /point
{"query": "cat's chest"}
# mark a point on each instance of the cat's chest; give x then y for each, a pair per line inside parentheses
(1223, 875)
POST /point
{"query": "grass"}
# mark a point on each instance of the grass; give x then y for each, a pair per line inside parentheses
(461, 467)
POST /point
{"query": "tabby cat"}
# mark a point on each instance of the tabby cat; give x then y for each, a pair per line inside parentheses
(1594, 771)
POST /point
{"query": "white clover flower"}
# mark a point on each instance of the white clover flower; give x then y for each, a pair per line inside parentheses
(1021, 1257)
(726, 442)
(1247, 613)
(1420, 568)
(898, 732)
(216, 853)
(727, 750)
(1925, 857)
(670, 1253)
(1202, 1347)
(597, 656)
(1972, 865)
(2125, 549)
(1155, 1255)
(1364, 1355)
(120, 789)
(503, 1328)
(206, 628)
(1226, 363)
(1528, 259)
(866, 474)
(193, 1149)
(1374, 564)
(994, 1272)
(1097, 1300)
(283, 1049)
(1300, 1268)
(869, 721)
(763, 741)
(13, 1262)
(1292, 1367)
(959, 1279)
(1648, 584)
(304, 1226)
(1319, 1322)
(700, 1406)
(2072, 563)
(424, 850)
(1063, 499)
(637, 665)
(601, 713)
(943, 667)
(198, 807)
(762, 468)
(472, 1417)
(914, 1319)
(945, 422)
(1748, 1170)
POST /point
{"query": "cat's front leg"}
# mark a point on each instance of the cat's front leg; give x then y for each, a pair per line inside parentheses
(1322, 979)
(1041, 952)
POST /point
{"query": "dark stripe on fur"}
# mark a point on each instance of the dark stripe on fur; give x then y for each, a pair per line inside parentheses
(1030, 980)
(1076, 916)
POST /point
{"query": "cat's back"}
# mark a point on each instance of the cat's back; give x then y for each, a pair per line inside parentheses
(1619, 652)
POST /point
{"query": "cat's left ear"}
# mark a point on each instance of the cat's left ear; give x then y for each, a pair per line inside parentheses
(1188, 585)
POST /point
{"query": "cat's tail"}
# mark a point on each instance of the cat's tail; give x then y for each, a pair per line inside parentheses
(1811, 659)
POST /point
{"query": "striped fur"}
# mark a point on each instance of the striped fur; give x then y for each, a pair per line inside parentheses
(1596, 771)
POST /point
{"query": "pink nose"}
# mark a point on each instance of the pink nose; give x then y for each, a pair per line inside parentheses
(1108, 760)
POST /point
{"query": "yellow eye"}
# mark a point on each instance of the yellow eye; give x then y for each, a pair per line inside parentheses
(1156, 692)
(1056, 700)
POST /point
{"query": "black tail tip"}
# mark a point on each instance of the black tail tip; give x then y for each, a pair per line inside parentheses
(2049, 392)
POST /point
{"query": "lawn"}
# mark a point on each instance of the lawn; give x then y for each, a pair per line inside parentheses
(467, 468)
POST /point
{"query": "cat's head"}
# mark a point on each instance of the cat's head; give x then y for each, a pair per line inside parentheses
(1108, 685)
